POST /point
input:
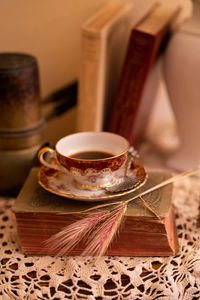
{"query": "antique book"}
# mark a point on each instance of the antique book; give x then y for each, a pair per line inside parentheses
(133, 103)
(104, 39)
(41, 214)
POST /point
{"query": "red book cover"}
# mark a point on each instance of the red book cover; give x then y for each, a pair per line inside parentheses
(146, 39)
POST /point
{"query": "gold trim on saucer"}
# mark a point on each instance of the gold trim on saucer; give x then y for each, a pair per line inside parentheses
(89, 187)
(44, 175)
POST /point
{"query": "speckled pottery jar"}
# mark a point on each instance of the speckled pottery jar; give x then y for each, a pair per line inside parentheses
(21, 124)
(88, 173)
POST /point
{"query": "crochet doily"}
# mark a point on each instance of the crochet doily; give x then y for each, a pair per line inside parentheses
(48, 277)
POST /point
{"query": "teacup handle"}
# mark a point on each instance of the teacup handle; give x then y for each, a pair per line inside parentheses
(45, 155)
(132, 154)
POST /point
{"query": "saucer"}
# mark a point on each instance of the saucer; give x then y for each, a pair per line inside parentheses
(62, 184)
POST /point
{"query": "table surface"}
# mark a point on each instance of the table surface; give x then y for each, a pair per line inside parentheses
(110, 277)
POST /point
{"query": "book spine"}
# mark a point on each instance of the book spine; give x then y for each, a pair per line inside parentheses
(138, 61)
(88, 80)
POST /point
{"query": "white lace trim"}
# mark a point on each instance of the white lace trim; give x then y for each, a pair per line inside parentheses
(47, 277)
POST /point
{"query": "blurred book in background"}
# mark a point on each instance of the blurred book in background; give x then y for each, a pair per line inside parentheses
(104, 40)
(140, 75)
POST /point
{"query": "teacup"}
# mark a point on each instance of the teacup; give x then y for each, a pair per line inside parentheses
(92, 158)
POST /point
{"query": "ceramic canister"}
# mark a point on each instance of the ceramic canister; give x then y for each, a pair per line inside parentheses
(21, 123)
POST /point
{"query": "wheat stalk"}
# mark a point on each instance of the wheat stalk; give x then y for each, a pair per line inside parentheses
(101, 238)
(66, 239)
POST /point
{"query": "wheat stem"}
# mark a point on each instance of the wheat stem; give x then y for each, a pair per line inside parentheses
(149, 208)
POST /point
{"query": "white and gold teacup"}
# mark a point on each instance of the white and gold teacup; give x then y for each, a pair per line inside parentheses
(92, 158)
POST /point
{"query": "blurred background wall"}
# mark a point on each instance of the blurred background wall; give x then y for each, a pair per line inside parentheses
(50, 30)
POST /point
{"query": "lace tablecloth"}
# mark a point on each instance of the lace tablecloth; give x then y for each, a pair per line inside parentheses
(48, 277)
